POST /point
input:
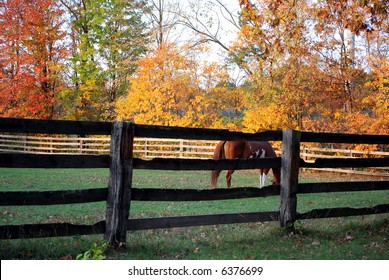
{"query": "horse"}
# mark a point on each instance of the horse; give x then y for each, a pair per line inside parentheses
(244, 149)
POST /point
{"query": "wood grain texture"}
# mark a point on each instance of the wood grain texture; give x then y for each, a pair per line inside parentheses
(120, 183)
(289, 177)
(200, 220)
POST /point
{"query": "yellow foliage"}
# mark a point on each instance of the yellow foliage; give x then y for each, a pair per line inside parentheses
(262, 118)
(165, 91)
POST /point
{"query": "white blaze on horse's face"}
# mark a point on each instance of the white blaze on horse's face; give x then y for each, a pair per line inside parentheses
(257, 153)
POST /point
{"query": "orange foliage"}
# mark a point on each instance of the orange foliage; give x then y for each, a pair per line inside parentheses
(308, 73)
(29, 56)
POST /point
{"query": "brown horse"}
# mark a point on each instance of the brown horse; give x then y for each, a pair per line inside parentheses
(244, 149)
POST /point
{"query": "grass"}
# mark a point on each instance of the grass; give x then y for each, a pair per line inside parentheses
(363, 237)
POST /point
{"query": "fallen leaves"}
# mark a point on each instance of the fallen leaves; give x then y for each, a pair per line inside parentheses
(348, 237)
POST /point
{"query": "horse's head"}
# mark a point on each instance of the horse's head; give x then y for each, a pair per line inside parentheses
(275, 181)
(277, 176)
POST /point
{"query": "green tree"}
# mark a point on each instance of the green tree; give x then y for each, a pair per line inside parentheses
(108, 38)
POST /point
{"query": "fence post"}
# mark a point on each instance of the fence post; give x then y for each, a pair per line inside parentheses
(120, 183)
(290, 162)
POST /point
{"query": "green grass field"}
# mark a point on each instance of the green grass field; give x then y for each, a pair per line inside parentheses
(364, 237)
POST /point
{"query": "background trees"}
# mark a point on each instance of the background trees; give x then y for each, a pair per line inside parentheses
(309, 65)
(108, 37)
(165, 90)
(31, 53)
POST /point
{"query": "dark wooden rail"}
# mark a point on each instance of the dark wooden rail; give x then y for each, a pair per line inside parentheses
(54, 127)
(10, 198)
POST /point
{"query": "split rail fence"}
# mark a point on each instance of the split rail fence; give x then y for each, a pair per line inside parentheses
(121, 162)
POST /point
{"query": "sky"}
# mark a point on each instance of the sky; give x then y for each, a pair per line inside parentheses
(219, 23)
(214, 18)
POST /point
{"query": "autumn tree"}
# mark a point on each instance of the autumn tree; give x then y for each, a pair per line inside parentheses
(376, 102)
(229, 101)
(272, 48)
(346, 30)
(32, 51)
(307, 62)
(165, 90)
(107, 39)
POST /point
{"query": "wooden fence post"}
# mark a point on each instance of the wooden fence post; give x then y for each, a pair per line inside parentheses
(120, 183)
(290, 162)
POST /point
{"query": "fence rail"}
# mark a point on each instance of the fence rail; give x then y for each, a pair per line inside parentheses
(149, 148)
(121, 163)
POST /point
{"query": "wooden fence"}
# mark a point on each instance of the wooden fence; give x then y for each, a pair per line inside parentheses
(143, 147)
(149, 148)
(121, 162)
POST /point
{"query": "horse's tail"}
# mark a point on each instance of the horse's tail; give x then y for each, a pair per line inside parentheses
(217, 154)
(219, 151)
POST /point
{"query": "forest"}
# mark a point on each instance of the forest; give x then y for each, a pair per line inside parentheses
(244, 65)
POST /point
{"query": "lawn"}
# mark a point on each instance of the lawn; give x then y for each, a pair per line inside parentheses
(364, 237)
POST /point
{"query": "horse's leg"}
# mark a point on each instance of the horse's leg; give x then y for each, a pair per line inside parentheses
(228, 177)
(214, 177)
(264, 177)
(263, 171)
(260, 177)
